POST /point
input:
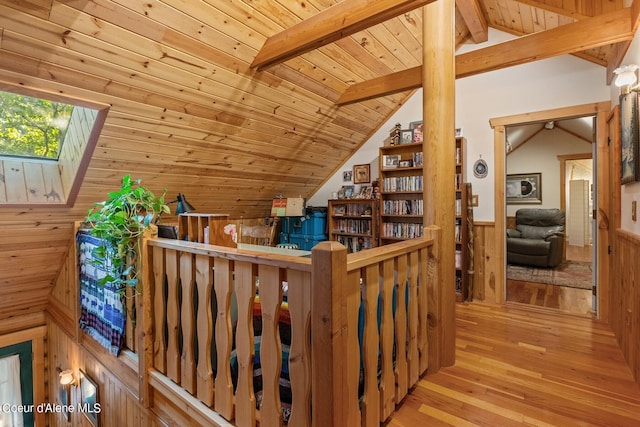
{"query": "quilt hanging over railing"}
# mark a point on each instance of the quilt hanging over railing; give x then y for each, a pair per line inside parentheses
(102, 312)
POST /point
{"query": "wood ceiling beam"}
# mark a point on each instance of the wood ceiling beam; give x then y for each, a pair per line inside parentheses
(474, 18)
(550, 8)
(601, 30)
(336, 22)
(619, 50)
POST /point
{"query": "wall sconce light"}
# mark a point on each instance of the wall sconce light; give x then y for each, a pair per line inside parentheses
(626, 75)
(67, 379)
(183, 205)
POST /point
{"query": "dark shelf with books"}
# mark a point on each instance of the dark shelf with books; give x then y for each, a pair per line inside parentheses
(354, 223)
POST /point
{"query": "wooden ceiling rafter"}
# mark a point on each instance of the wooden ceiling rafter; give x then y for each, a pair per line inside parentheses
(612, 27)
(475, 20)
(620, 49)
(334, 23)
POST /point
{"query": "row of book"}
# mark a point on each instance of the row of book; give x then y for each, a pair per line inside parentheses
(355, 244)
(352, 209)
(402, 183)
(459, 182)
(404, 230)
(403, 207)
(356, 226)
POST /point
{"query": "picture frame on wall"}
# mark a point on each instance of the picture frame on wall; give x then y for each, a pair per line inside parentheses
(629, 138)
(89, 403)
(362, 174)
(525, 188)
(347, 176)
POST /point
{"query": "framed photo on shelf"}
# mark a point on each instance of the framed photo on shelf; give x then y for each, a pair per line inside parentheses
(405, 163)
(391, 162)
(629, 138)
(362, 174)
(348, 191)
(406, 136)
(368, 194)
(524, 188)
(416, 128)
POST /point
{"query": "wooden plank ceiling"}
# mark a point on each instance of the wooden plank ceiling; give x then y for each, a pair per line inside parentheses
(190, 114)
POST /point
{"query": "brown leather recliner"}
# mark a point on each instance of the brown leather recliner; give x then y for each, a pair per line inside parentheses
(538, 239)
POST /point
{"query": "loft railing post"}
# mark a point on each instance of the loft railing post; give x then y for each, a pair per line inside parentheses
(144, 322)
(332, 350)
(435, 336)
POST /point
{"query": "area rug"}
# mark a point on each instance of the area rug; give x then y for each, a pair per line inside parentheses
(573, 274)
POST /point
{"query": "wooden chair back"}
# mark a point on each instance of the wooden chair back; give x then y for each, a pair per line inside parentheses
(263, 235)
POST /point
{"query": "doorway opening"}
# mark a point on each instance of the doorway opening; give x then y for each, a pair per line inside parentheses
(556, 271)
(506, 141)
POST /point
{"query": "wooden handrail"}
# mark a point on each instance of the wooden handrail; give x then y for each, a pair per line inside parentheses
(343, 321)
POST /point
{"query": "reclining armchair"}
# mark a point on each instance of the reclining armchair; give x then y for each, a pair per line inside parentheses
(538, 239)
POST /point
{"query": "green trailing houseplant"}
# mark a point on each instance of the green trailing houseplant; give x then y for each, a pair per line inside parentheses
(120, 222)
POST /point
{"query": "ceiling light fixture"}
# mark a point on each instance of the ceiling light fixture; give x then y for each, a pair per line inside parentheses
(549, 125)
(626, 75)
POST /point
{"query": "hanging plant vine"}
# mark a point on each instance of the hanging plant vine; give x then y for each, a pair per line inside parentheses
(120, 222)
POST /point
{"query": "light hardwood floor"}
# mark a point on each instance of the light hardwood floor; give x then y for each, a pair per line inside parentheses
(569, 300)
(519, 365)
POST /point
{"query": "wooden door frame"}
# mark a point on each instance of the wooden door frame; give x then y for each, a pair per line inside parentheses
(564, 158)
(601, 112)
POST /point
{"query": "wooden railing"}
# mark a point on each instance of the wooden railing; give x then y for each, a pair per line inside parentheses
(198, 308)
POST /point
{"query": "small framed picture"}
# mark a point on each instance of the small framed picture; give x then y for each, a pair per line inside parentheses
(406, 136)
(347, 176)
(416, 128)
(391, 162)
(348, 191)
(405, 164)
(90, 405)
(362, 174)
(368, 192)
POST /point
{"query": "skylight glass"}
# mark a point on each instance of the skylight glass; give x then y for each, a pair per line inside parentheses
(32, 127)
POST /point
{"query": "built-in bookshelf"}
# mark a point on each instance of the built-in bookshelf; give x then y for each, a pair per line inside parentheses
(353, 223)
(401, 191)
(461, 237)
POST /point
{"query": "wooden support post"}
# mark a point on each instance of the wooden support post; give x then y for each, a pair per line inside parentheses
(439, 124)
(333, 353)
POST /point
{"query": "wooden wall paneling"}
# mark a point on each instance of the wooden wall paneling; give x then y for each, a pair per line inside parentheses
(22, 322)
(118, 399)
(76, 142)
(34, 182)
(64, 298)
(15, 185)
(486, 269)
(625, 298)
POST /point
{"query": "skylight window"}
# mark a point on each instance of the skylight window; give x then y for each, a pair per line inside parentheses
(46, 143)
(32, 127)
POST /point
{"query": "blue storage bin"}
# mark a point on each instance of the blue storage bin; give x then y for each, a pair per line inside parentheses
(312, 224)
(288, 223)
(306, 241)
